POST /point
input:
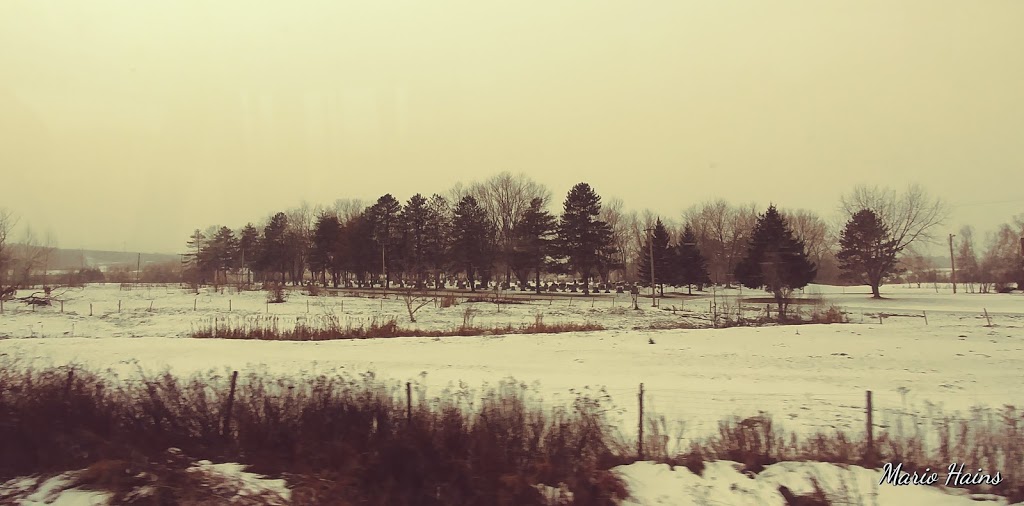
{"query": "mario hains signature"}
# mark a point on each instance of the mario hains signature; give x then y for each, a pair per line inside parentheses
(955, 476)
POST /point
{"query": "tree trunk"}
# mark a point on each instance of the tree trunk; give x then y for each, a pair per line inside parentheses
(874, 291)
(781, 301)
(537, 285)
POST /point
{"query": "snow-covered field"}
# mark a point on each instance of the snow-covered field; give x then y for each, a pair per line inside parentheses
(931, 350)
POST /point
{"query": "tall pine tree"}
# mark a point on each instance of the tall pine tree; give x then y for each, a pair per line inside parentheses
(775, 260)
(276, 252)
(386, 231)
(324, 251)
(437, 237)
(664, 267)
(533, 239)
(248, 250)
(583, 239)
(690, 266)
(867, 253)
(471, 234)
(414, 217)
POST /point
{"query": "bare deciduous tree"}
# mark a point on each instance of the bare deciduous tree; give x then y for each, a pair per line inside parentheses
(7, 223)
(722, 231)
(347, 209)
(613, 214)
(819, 239)
(910, 216)
(505, 197)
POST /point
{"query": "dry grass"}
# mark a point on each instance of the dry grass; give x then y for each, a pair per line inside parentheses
(329, 327)
(336, 440)
(989, 439)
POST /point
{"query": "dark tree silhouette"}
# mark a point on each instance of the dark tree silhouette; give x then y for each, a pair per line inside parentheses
(387, 233)
(664, 266)
(437, 230)
(583, 239)
(533, 240)
(867, 250)
(276, 252)
(690, 266)
(248, 249)
(324, 254)
(360, 251)
(220, 252)
(471, 233)
(415, 216)
(775, 260)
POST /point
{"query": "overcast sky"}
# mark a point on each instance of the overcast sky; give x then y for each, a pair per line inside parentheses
(127, 124)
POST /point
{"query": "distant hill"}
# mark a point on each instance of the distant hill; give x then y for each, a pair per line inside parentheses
(64, 259)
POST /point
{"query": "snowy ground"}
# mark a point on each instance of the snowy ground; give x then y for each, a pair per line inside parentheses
(809, 377)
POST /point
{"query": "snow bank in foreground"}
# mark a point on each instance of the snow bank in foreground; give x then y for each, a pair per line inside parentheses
(228, 481)
(724, 483)
(54, 491)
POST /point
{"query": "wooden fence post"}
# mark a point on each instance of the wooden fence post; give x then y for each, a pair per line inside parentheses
(90, 309)
(870, 457)
(987, 318)
(925, 313)
(67, 386)
(61, 306)
(408, 402)
(226, 431)
(118, 305)
(640, 425)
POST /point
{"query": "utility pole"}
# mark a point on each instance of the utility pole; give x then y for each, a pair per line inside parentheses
(952, 263)
(650, 242)
(138, 269)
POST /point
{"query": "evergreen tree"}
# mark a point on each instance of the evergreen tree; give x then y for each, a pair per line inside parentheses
(437, 230)
(221, 252)
(583, 239)
(248, 248)
(275, 251)
(194, 261)
(414, 217)
(471, 233)
(867, 251)
(324, 252)
(690, 266)
(533, 240)
(775, 260)
(385, 215)
(664, 266)
(360, 251)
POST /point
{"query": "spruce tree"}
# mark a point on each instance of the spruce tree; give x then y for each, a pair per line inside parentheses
(248, 249)
(690, 266)
(583, 239)
(386, 231)
(360, 250)
(867, 252)
(664, 266)
(414, 219)
(437, 236)
(323, 254)
(775, 260)
(221, 252)
(533, 239)
(275, 251)
(471, 234)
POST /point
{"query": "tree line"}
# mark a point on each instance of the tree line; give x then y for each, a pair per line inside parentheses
(500, 231)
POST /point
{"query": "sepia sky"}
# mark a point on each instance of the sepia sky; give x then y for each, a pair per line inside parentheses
(126, 124)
